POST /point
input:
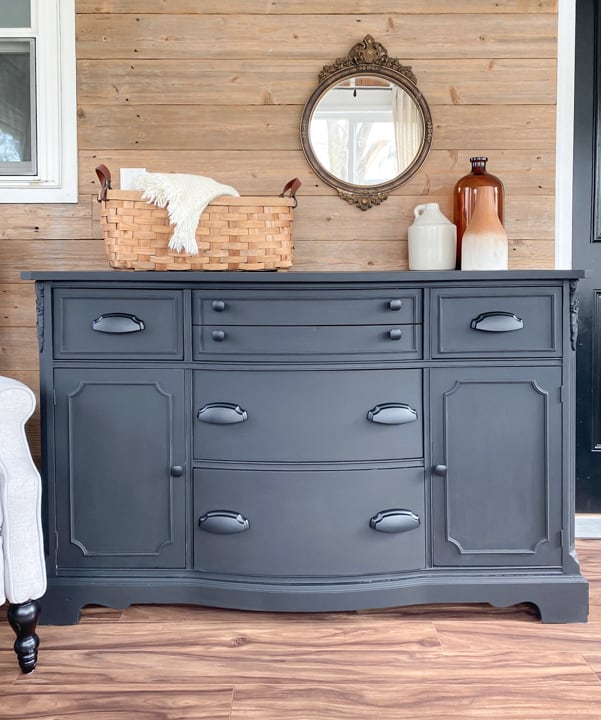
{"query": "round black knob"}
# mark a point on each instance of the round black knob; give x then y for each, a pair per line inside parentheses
(177, 470)
(218, 335)
(218, 305)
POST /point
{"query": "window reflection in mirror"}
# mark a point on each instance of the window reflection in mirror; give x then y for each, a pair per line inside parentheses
(366, 130)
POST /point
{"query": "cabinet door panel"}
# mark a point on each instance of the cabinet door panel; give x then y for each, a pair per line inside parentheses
(118, 432)
(497, 431)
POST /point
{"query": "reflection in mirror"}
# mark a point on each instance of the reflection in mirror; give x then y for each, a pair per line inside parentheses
(366, 129)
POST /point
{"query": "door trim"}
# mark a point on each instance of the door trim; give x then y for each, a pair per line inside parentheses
(564, 148)
(588, 526)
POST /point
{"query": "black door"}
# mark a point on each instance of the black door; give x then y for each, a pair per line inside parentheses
(586, 253)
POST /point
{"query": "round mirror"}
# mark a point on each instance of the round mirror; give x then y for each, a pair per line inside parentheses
(366, 129)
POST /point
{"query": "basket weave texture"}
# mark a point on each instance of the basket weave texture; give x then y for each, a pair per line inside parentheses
(234, 233)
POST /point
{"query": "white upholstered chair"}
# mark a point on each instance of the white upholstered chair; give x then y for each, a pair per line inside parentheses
(22, 567)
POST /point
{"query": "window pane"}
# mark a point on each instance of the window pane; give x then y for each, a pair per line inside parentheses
(17, 100)
(15, 13)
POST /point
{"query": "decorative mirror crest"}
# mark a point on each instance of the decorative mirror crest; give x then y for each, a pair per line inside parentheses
(366, 129)
(368, 52)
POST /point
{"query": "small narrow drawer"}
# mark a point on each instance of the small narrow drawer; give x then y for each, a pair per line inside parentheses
(299, 524)
(307, 415)
(118, 324)
(343, 308)
(349, 340)
(503, 321)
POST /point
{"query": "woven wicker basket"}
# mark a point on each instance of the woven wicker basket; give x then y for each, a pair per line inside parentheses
(234, 233)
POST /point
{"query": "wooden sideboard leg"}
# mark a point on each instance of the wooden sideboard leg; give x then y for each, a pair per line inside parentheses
(23, 618)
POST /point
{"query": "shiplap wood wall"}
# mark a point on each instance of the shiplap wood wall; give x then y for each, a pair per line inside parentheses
(217, 88)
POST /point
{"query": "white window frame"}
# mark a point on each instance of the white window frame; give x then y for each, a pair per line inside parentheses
(53, 27)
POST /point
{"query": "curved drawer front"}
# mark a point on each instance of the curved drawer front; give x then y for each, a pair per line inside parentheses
(307, 416)
(118, 324)
(285, 308)
(277, 523)
(350, 340)
(485, 321)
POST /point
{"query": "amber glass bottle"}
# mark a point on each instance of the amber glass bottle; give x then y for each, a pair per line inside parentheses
(464, 197)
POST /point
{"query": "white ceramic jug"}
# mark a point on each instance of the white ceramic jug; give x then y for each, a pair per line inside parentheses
(432, 240)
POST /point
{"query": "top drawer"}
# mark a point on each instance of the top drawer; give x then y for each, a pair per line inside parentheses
(124, 324)
(503, 321)
(288, 308)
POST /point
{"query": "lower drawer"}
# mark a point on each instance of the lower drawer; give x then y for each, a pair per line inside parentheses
(281, 523)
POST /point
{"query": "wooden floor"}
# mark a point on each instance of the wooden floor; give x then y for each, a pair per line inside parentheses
(434, 662)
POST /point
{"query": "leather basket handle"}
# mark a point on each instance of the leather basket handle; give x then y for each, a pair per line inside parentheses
(291, 186)
(104, 175)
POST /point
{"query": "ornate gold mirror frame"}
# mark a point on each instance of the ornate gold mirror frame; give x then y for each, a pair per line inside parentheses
(367, 63)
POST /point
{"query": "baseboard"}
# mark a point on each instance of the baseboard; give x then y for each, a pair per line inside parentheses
(588, 526)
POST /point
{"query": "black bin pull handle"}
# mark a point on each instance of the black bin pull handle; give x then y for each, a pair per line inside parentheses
(394, 520)
(117, 323)
(223, 522)
(497, 321)
(222, 413)
(392, 414)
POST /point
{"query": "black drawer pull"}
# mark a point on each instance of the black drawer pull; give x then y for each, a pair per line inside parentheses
(395, 304)
(177, 470)
(394, 521)
(395, 334)
(218, 305)
(117, 323)
(223, 522)
(218, 335)
(222, 414)
(392, 414)
(498, 321)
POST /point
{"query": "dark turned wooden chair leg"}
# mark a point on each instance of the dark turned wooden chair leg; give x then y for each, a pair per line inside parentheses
(23, 618)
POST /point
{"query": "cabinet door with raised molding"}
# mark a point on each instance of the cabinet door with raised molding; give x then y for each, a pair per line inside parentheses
(120, 480)
(497, 466)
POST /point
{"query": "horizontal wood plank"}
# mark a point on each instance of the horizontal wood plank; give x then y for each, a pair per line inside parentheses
(276, 128)
(162, 703)
(49, 255)
(17, 305)
(18, 350)
(472, 701)
(313, 7)
(321, 36)
(290, 82)
(243, 660)
(523, 172)
(58, 221)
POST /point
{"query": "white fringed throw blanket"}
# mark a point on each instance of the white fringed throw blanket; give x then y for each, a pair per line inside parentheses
(185, 197)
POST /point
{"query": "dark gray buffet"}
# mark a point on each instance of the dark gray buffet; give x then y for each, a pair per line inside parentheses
(309, 441)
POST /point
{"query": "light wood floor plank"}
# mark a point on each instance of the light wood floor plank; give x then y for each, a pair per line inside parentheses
(507, 635)
(144, 702)
(469, 702)
(308, 664)
(281, 636)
